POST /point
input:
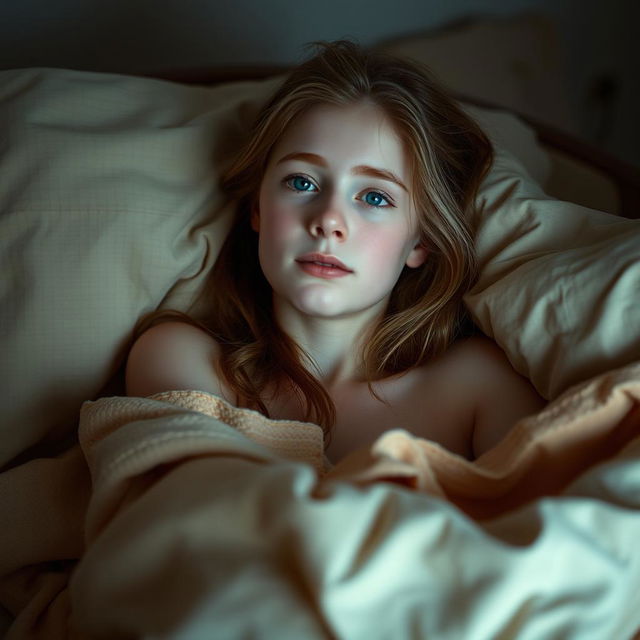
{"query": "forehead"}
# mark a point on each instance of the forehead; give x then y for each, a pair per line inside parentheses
(355, 134)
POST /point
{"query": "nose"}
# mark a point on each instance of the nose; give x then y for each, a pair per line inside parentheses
(329, 223)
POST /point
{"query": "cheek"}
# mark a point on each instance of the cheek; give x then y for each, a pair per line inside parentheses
(275, 219)
(391, 245)
(277, 229)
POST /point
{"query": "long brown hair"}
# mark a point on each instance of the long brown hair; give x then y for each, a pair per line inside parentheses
(449, 155)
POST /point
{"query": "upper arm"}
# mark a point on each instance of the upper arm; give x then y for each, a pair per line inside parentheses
(501, 396)
(172, 356)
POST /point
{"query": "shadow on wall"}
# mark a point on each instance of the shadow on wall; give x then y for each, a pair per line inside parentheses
(564, 64)
(516, 62)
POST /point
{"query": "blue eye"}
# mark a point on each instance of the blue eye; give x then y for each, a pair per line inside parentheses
(300, 183)
(375, 199)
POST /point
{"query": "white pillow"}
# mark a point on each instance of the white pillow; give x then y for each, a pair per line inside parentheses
(109, 207)
(559, 284)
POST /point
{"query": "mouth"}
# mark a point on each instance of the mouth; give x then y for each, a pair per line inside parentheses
(323, 266)
(323, 260)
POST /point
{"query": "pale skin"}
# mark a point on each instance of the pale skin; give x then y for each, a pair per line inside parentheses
(337, 185)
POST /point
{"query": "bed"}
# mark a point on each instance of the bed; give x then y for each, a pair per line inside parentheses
(179, 516)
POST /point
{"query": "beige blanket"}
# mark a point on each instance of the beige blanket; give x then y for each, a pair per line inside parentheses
(206, 521)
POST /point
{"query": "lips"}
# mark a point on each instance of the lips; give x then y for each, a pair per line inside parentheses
(323, 260)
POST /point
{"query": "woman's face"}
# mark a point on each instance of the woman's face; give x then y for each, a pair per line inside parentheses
(335, 216)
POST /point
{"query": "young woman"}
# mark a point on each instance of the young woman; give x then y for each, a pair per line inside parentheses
(338, 292)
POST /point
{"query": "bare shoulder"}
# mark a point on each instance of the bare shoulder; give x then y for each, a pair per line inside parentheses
(469, 358)
(500, 395)
(171, 356)
(477, 354)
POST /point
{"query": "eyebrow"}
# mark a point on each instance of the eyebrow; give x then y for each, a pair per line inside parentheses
(360, 170)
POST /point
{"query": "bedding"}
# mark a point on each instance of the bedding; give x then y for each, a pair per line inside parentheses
(314, 553)
(209, 521)
(109, 208)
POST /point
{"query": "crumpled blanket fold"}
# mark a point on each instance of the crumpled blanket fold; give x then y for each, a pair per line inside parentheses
(206, 520)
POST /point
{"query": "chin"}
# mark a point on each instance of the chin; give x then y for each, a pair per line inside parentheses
(314, 311)
(317, 300)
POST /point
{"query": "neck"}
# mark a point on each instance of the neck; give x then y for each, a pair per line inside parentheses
(334, 345)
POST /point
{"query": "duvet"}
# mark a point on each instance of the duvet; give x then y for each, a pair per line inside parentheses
(206, 521)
